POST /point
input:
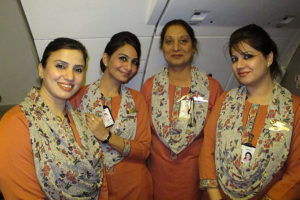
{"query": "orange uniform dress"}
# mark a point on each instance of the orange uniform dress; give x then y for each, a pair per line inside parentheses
(18, 179)
(130, 178)
(176, 179)
(286, 184)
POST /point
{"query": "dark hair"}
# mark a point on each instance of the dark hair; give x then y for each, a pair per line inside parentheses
(63, 43)
(117, 41)
(248, 154)
(185, 25)
(258, 39)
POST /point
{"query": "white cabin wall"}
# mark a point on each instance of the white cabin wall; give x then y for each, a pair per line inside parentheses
(224, 17)
(213, 56)
(291, 80)
(93, 22)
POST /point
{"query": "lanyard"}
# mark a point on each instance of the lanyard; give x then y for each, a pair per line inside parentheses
(247, 136)
(107, 102)
(175, 110)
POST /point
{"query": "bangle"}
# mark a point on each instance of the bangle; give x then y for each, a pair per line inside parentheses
(107, 138)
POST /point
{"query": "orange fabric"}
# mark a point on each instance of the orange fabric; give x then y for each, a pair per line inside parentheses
(131, 178)
(176, 179)
(18, 178)
(286, 184)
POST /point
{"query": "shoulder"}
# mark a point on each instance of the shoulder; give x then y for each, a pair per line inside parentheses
(13, 115)
(296, 104)
(137, 96)
(222, 97)
(139, 100)
(82, 91)
(149, 82)
(76, 99)
(147, 87)
(14, 127)
(214, 83)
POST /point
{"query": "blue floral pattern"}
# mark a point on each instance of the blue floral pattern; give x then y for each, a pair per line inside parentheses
(177, 134)
(125, 124)
(64, 169)
(244, 180)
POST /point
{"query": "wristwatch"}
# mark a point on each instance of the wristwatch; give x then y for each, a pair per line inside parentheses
(107, 138)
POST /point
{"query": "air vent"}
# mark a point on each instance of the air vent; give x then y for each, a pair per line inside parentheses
(198, 16)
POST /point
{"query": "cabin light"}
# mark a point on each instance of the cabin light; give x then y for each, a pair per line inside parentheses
(286, 20)
(198, 16)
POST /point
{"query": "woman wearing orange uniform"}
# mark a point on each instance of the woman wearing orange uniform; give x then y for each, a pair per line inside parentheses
(260, 118)
(120, 119)
(46, 148)
(180, 98)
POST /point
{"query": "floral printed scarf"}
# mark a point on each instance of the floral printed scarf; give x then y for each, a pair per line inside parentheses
(64, 169)
(125, 124)
(245, 180)
(177, 135)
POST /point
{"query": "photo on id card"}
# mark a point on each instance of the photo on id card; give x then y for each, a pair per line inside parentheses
(107, 117)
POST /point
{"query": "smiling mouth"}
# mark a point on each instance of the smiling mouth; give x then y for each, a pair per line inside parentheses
(176, 55)
(243, 74)
(66, 87)
(127, 75)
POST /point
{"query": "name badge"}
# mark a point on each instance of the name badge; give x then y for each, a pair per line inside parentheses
(107, 117)
(278, 126)
(184, 110)
(247, 153)
(200, 99)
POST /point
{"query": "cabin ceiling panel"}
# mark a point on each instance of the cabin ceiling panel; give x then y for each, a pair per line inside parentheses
(86, 19)
(266, 13)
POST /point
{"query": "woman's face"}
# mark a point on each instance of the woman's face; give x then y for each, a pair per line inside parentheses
(250, 66)
(63, 74)
(248, 156)
(177, 46)
(123, 64)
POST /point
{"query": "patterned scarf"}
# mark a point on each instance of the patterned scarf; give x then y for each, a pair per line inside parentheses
(245, 180)
(125, 124)
(177, 134)
(64, 169)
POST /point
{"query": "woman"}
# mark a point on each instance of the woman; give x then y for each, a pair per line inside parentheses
(119, 119)
(262, 118)
(46, 149)
(180, 98)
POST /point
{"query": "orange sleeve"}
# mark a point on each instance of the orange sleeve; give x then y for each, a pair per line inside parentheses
(207, 169)
(147, 90)
(289, 185)
(18, 178)
(215, 89)
(140, 146)
(104, 188)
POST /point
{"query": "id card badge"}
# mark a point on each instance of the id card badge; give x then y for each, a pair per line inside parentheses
(184, 110)
(107, 117)
(247, 153)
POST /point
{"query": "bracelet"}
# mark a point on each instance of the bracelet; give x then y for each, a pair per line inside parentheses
(107, 138)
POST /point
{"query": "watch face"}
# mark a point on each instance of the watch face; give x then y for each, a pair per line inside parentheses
(108, 137)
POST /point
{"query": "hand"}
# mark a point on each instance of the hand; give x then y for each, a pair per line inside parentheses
(96, 125)
(214, 194)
